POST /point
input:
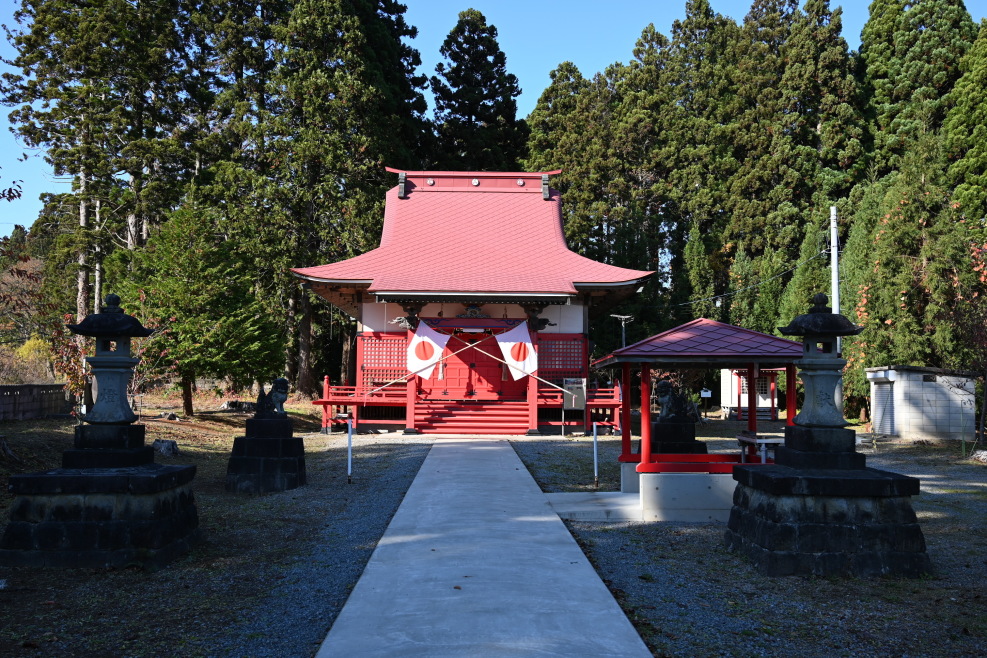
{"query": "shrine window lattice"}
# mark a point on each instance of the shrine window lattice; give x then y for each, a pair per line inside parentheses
(560, 358)
(760, 385)
(382, 358)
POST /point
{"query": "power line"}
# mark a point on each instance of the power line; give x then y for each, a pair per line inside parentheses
(759, 283)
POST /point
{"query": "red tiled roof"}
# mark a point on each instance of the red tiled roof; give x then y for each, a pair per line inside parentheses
(708, 341)
(494, 237)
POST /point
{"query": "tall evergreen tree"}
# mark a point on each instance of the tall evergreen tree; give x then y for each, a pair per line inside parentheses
(765, 192)
(930, 39)
(475, 106)
(552, 120)
(192, 284)
(903, 273)
(651, 235)
(874, 63)
(965, 132)
(65, 103)
(823, 106)
(103, 90)
(704, 301)
(317, 99)
(699, 134)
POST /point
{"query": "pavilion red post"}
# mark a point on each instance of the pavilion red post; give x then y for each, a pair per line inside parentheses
(752, 397)
(774, 391)
(790, 388)
(740, 397)
(625, 410)
(645, 413)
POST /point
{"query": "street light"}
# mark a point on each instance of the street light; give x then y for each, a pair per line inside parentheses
(624, 319)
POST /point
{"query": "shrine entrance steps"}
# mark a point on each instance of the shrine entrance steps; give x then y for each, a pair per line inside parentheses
(476, 563)
(503, 417)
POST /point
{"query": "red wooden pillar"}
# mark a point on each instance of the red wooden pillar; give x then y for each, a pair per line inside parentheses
(533, 407)
(533, 396)
(790, 388)
(752, 397)
(411, 393)
(625, 410)
(645, 413)
(587, 413)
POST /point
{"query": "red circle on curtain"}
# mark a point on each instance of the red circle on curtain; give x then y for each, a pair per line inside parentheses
(424, 350)
(519, 351)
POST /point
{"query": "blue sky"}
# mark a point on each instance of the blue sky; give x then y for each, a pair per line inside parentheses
(536, 37)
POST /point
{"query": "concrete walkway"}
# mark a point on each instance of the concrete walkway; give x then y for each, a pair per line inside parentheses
(476, 563)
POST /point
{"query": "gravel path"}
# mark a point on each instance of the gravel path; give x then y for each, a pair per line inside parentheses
(688, 595)
(294, 619)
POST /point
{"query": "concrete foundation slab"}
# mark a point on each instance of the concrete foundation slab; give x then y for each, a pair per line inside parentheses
(629, 481)
(689, 497)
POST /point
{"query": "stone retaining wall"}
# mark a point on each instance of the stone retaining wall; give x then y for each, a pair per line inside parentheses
(25, 401)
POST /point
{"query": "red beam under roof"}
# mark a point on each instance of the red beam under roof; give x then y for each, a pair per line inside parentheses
(477, 232)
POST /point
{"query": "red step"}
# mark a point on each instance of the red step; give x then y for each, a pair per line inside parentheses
(472, 417)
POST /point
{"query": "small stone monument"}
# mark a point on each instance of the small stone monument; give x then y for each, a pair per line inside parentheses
(675, 430)
(269, 458)
(818, 509)
(110, 504)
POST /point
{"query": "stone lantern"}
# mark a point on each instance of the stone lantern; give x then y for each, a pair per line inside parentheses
(822, 368)
(819, 437)
(112, 365)
(109, 505)
(819, 510)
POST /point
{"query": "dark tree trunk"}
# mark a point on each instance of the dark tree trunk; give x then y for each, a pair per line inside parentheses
(290, 362)
(348, 335)
(187, 385)
(982, 425)
(306, 384)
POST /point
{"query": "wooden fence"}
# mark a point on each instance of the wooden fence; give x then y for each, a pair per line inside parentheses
(24, 401)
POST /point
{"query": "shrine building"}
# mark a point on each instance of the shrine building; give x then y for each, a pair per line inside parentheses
(472, 313)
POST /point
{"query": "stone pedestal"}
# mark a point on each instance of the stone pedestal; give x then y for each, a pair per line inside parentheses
(269, 458)
(108, 446)
(842, 518)
(94, 517)
(676, 438)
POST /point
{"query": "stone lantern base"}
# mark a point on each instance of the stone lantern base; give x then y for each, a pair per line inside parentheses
(269, 458)
(842, 519)
(101, 517)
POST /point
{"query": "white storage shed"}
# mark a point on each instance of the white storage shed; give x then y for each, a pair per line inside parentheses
(922, 403)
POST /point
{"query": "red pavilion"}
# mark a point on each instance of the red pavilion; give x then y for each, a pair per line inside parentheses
(472, 312)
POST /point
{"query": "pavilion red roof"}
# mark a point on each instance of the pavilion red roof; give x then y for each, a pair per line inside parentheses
(707, 342)
(478, 232)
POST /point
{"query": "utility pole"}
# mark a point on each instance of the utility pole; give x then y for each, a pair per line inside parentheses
(834, 260)
(624, 319)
